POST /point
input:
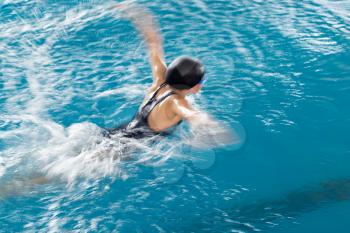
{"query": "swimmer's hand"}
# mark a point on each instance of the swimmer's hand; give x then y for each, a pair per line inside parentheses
(141, 17)
(206, 132)
(147, 26)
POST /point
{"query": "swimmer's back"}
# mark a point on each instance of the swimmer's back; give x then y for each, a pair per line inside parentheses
(162, 116)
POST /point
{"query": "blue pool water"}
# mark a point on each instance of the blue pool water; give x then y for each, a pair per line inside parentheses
(278, 74)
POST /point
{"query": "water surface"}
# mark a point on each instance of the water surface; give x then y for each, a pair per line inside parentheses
(277, 71)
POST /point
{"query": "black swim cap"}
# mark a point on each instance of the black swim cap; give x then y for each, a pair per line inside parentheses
(184, 73)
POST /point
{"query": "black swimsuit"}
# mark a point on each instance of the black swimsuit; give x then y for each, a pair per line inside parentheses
(138, 127)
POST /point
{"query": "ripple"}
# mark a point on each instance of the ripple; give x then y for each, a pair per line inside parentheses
(294, 21)
(318, 110)
(64, 63)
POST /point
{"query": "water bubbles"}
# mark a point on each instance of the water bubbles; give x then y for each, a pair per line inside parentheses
(202, 159)
(170, 171)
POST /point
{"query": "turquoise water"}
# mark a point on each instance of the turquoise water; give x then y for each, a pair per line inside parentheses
(278, 74)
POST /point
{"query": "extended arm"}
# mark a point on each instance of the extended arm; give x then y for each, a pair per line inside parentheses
(155, 46)
(146, 25)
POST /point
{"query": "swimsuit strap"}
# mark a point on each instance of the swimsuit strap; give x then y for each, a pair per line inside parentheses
(140, 119)
(156, 92)
(160, 99)
(153, 97)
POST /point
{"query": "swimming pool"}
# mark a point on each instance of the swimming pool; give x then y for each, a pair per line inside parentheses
(277, 72)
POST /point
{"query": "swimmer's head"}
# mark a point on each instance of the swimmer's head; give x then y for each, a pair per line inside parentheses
(185, 73)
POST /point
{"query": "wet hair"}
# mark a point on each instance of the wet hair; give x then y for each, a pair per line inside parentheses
(184, 73)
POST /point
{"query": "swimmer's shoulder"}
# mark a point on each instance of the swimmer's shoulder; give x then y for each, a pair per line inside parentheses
(174, 99)
(178, 101)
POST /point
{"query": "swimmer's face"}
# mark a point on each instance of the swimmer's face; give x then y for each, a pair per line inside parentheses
(195, 89)
(199, 86)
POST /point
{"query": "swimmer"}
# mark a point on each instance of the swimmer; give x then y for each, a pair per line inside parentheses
(165, 104)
